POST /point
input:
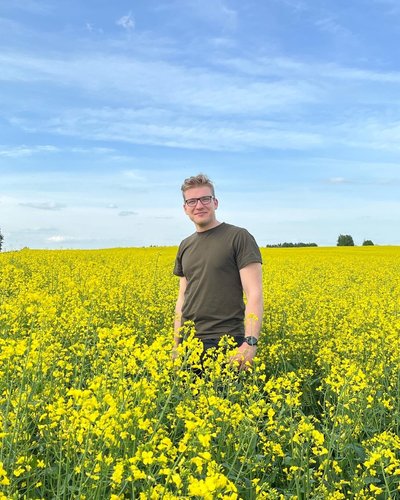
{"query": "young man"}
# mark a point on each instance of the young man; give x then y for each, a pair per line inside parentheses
(216, 265)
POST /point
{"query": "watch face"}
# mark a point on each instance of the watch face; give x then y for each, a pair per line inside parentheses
(251, 340)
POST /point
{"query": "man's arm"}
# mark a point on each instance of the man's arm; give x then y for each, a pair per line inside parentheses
(251, 278)
(178, 309)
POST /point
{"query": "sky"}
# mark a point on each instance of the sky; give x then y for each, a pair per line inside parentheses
(291, 107)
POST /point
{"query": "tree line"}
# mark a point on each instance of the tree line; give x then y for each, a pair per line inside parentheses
(292, 245)
(344, 240)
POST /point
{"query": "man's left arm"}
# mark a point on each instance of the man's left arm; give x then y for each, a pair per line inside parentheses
(251, 278)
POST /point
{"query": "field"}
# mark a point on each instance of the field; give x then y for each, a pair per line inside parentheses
(93, 407)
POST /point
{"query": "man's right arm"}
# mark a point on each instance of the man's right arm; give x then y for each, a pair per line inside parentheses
(178, 309)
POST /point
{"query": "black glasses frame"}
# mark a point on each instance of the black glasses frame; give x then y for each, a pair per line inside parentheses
(204, 200)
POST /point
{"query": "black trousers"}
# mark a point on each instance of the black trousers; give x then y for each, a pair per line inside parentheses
(212, 343)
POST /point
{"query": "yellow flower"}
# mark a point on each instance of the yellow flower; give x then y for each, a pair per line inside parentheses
(18, 471)
(204, 439)
(147, 457)
(117, 473)
(176, 478)
(375, 489)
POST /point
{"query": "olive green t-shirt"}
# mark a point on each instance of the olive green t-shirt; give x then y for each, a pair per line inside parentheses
(211, 261)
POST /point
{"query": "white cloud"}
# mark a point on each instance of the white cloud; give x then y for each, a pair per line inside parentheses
(369, 133)
(22, 151)
(91, 28)
(196, 89)
(223, 42)
(228, 16)
(26, 151)
(172, 130)
(127, 22)
(127, 213)
(246, 104)
(69, 239)
(337, 180)
(58, 238)
(43, 205)
(134, 175)
(332, 26)
(357, 74)
(90, 150)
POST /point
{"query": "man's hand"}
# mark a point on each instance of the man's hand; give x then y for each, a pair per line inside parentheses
(174, 353)
(244, 356)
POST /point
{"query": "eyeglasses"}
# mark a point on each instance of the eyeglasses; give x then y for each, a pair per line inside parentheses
(205, 200)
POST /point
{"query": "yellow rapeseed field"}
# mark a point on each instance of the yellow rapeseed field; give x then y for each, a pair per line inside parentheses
(93, 407)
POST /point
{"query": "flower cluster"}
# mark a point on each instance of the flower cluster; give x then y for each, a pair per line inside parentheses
(93, 405)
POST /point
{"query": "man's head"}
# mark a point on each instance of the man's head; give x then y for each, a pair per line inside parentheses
(195, 181)
(200, 202)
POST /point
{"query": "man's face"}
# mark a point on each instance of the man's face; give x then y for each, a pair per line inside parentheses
(202, 215)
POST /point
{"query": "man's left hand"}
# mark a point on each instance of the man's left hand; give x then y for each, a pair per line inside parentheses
(244, 356)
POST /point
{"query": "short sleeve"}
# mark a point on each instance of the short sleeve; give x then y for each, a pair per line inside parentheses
(178, 270)
(246, 249)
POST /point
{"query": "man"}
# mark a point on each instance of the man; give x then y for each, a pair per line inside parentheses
(216, 265)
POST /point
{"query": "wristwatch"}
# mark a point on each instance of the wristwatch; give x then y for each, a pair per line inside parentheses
(251, 340)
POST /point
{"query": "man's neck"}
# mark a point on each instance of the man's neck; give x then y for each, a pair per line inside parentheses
(202, 229)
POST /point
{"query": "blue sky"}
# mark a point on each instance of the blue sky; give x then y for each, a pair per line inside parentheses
(292, 107)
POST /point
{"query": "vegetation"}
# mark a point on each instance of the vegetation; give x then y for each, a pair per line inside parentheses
(1, 240)
(345, 240)
(292, 245)
(368, 243)
(92, 405)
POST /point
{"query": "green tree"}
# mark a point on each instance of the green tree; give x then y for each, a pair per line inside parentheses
(367, 243)
(1, 240)
(345, 240)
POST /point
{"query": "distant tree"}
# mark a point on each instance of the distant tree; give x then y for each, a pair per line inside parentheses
(368, 243)
(1, 240)
(345, 240)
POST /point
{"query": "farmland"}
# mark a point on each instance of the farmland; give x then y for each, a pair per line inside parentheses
(93, 406)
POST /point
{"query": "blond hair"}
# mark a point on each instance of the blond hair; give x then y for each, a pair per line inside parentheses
(199, 180)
